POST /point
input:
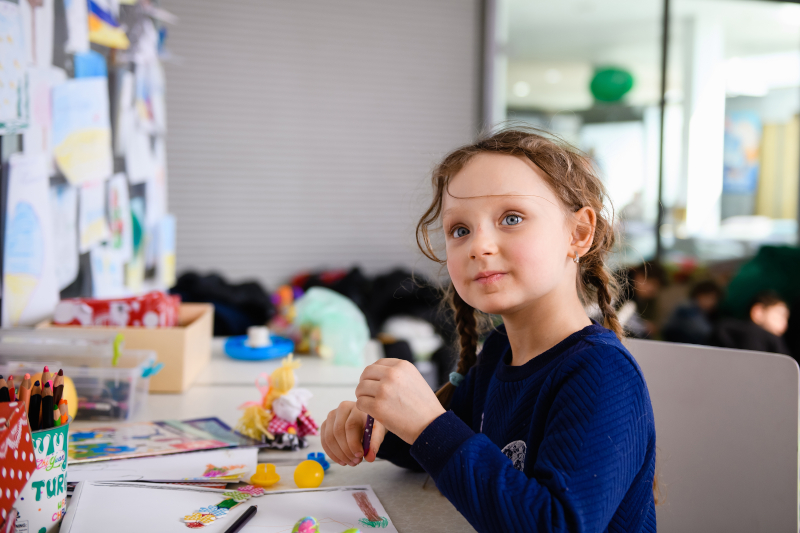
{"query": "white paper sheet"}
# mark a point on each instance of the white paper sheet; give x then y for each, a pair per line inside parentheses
(166, 252)
(92, 222)
(64, 215)
(77, 26)
(38, 26)
(178, 467)
(136, 507)
(126, 112)
(108, 273)
(140, 162)
(13, 101)
(30, 292)
(119, 216)
(82, 130)
(38, 135)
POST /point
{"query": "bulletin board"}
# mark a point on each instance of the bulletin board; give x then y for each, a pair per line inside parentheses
(83, 182)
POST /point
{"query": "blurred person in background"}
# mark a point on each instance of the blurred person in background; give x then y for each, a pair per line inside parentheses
(636, 309)
(692, 322)
(769, 318)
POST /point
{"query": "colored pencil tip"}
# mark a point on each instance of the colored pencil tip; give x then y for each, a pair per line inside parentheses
(46, 368)
(47, 385)
(36, 384)
(62, 401)
(27, 376)
(60, 372)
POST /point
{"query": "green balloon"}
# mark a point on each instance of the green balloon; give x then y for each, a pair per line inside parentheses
(610, 84)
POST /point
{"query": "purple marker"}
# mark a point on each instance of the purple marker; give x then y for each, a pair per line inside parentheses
(368, 434)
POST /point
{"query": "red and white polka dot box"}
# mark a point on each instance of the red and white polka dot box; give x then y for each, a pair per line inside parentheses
(152, 310)
(17, 460)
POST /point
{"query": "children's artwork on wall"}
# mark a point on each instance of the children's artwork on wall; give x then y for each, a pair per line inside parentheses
(30, 292)
(38, 135)
(104, 27)
(64, 211)
(90, 64)
(13, 93)
(82, 130)
(92, 222)
(119, 215)
(77, 15)
(125, 118)
(108, 272)
(166, 251)
(139, 157)
(38, 18)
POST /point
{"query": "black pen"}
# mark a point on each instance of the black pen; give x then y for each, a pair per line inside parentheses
(242, 520)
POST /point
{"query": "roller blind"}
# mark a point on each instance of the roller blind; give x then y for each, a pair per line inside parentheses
(301, 133)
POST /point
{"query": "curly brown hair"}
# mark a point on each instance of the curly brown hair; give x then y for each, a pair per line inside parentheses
(572, 177)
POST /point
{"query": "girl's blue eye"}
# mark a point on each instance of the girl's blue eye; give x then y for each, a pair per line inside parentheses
(460, 232)
(511, 220)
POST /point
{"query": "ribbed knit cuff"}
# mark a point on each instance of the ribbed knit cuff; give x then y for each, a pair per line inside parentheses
(439, 441)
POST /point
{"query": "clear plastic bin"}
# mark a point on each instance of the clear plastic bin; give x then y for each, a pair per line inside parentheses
(104, 392)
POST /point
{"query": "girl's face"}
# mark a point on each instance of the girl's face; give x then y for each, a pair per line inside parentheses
(508, 242)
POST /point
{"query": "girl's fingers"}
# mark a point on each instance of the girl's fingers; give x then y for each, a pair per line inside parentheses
(378, 434)
(374, 373)
(368, 388)
(340, 435)
(366, 404)
(354, 432)
(329, 443)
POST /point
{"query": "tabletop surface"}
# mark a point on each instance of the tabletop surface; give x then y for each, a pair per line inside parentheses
(411, 499)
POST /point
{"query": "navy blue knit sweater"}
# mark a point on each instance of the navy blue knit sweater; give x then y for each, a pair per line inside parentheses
(565, 442)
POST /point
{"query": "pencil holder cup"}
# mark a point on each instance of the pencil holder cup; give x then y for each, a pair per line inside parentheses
(42, 503)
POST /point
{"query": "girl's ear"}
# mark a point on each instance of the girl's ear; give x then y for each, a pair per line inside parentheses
(583, 231)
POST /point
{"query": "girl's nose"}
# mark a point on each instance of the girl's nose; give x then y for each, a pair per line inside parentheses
(483, 243)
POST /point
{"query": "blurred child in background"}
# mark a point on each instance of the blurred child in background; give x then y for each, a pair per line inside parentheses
(768, 320)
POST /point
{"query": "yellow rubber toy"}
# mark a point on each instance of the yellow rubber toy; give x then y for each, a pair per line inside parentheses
(265, 475)
(309, 475)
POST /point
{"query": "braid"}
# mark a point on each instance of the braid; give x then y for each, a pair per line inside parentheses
(596, 275)
(467, 327)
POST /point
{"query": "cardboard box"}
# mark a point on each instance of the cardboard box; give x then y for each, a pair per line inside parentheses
(185, 350)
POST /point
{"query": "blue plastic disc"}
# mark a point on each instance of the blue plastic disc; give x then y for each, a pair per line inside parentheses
(237, 348)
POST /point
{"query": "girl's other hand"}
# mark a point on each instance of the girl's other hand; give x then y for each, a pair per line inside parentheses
(341, 435)
(394, 392)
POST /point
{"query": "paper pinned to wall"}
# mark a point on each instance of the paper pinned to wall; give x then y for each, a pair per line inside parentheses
(30, 292)
(119, 215)
(77, 26)
(126, 113)
(38, 136)
(82, 130)
(108, 273)
(140, 160)
(13, 96)
(64, 211)
(38, 19)
(166, 252)
(92, 220)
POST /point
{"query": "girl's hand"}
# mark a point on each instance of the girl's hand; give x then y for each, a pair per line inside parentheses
(395, 393)
(341, 435)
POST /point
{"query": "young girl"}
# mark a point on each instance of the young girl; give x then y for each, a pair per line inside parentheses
(550, 427)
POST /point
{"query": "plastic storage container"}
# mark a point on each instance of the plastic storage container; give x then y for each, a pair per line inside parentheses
(104, 392)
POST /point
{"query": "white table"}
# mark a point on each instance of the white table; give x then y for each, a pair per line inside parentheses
(411, 499)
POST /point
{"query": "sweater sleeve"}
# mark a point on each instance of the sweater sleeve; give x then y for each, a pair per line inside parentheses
(597, 442)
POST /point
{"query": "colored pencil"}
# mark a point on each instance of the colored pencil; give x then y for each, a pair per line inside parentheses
(47, 407)
(242, 520)
(11, 392)
(35, 406)
(367, 438)
(25, 391)
(56, 414)
(63, 410)
(4, 396)
(45, 375)
(58, 386)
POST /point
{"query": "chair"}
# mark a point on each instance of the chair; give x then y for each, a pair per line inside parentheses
(727, 437)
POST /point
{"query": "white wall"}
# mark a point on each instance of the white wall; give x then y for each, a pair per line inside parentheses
(302, 133)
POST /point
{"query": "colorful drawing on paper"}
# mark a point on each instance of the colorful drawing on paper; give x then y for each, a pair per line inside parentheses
(208, 514)
(13, 90)
(225, 472)
(143, 439)
(92, 217)
(82, 129)
(26, 256)
(373, 519)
